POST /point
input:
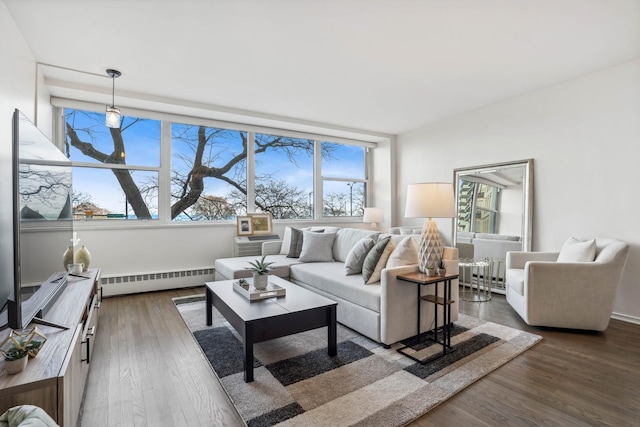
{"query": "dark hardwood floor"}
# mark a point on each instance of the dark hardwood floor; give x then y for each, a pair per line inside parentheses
(147, 370)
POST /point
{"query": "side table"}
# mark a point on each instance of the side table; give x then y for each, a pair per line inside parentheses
(482, 269)
(421, 279)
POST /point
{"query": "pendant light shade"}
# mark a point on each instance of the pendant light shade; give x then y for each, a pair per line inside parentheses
(112, 116)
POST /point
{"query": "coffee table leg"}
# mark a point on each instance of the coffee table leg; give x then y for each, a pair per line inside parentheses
(333, 332)
(209, 294)
(247, 346)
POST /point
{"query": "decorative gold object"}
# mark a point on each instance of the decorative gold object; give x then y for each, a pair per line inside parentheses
(20, 340)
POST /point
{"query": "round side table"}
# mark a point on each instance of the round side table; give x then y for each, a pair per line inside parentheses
(475, 279)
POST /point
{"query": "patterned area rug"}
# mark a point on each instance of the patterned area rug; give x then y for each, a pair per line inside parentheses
(298, 384)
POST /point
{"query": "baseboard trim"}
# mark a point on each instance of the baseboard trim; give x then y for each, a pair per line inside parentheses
(626, 318)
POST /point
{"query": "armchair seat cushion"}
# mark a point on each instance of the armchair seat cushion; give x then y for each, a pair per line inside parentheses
(515, 279)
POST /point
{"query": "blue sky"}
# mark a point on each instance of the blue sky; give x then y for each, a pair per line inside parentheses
(142, 147)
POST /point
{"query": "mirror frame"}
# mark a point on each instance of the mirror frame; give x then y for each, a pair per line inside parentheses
(527, 196)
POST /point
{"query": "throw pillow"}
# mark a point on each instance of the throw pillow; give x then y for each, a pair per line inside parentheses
(317, 247)
(295, 247)
(405, 253)
(376, 260)
(286, 241)
(575, 250)
(356, 256)
(297, 238)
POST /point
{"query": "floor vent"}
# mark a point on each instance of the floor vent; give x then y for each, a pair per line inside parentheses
(156, 276)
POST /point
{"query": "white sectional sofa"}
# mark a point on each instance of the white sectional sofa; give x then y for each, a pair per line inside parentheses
(384, 311)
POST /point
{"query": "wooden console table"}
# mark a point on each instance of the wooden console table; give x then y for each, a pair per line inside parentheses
(55, 379)
(445, 301)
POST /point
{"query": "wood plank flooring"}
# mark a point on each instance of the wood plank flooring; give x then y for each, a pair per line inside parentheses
(147, 370)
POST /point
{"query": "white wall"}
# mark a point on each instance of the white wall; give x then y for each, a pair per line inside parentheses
(584, 135)
(17, 90)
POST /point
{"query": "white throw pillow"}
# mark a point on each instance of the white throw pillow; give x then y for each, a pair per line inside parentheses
(317, 247)
(405, 253)
(286, 241)
(575, 250)
(356, 256)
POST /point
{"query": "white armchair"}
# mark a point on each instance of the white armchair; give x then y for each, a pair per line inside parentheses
(575, 295)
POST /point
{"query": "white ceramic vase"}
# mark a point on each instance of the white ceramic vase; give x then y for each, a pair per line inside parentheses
(83, 256)
(15, 366)
(260, 281)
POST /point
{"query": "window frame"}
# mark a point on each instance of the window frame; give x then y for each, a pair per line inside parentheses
(164, 169)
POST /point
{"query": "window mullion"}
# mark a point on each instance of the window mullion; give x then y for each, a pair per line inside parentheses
(164, 176)
(251, 172)
(318, 197)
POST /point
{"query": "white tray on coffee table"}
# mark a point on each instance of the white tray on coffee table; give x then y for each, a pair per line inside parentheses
(253, 294)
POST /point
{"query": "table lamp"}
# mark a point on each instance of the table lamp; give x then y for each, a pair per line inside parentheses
(374, 216)
(430, 200)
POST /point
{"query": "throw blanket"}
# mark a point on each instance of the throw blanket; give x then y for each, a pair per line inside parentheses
(26, 416)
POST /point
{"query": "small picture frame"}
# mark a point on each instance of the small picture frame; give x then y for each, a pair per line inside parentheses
(244, 225)
(261, 223)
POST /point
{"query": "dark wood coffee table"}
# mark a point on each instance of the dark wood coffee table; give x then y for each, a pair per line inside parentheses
(256, 321)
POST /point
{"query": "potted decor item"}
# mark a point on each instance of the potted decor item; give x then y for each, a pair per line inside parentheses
(431, 270)
(260, 270)
(15, 359)
(442, 269)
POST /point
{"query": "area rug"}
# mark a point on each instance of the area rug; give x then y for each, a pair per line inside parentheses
(298, 384)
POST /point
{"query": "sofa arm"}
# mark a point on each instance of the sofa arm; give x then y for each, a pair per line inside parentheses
(395, 302)
(271, 247)
(518, 259)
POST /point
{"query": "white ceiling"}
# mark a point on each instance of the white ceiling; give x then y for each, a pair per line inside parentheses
(377, 66)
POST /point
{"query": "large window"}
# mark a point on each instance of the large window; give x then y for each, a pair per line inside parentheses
(208, 173)
(343, 180)
(283, 176)
(169, 171)
(115, 173)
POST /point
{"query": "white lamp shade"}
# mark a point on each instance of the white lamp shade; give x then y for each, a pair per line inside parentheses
(430, 200)
(373, 215)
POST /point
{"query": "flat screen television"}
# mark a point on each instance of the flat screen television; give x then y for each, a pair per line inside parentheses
(36, 224)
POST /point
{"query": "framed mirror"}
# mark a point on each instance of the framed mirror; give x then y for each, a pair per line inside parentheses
(494, 210)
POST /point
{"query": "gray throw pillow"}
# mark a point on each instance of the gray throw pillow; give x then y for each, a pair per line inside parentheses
(295, 247)
(297, 237)
(356, 256)
(317, 247)
(372, 258)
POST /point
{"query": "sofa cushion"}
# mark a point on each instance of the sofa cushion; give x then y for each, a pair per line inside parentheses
(346, 238)
(515, 279)
(575, 250)
(357, 254)
(329, 277)
(236, 268)
(376, 260)
(405, 253)
(317, 247)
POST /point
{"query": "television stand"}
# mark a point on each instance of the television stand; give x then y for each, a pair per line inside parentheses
(55, 379)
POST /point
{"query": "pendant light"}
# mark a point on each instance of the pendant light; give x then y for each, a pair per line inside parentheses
(112, 116)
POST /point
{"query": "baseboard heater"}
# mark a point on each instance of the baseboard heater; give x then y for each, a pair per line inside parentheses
(145, 282)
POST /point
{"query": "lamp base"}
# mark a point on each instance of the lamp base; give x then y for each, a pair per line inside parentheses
(431, 248)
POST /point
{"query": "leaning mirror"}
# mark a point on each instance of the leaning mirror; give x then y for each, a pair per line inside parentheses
(494, 206)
